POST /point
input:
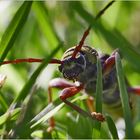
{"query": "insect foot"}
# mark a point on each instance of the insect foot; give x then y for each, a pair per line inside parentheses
(51, 125)
(50, 129)
(98, 116)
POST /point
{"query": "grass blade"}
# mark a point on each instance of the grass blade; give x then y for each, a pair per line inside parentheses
(45, 24)
(51, 110)
(124, 98)
(112, 127)
(47, 109)
(14, 28)
(99, 88)
(48, 115)
(3, 103)
(12, 115)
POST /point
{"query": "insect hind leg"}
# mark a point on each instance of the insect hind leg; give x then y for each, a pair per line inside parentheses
(135, 90)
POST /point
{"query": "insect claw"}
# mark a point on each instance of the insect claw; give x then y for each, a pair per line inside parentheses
(98, 116)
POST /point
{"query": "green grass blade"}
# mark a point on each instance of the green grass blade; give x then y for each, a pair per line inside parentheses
(51, 110)
(47, 109)
(112, 127)
(99, 87)
(12, 115)
(14, 29)
(3, 103)
(26, 89)
(45, 24)
(48, 115)
(124, 98)
(98, 103)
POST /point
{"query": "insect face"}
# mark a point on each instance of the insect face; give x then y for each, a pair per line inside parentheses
(72, 67)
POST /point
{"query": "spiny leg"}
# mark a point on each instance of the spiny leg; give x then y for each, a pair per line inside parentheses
(60, 84)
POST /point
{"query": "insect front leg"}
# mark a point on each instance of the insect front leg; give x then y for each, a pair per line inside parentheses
(90, 104)
(60, 84)
(71, 91)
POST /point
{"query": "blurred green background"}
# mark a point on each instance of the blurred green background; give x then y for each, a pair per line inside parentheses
(49, 23)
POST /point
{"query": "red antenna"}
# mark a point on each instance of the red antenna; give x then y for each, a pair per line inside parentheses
(30, 60)
(78, 47)
(56, 61)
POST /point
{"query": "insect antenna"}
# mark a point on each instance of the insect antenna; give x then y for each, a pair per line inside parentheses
(78, 47)
(101, 12)
(56, 61)
(104, 9)
(30, 60)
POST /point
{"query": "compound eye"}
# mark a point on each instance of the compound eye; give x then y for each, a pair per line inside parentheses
(80, 60)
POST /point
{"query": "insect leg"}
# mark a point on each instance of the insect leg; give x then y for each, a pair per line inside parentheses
(109, 63)
(135, 90)
(56, 83)
(90, 103)
(71, 91)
